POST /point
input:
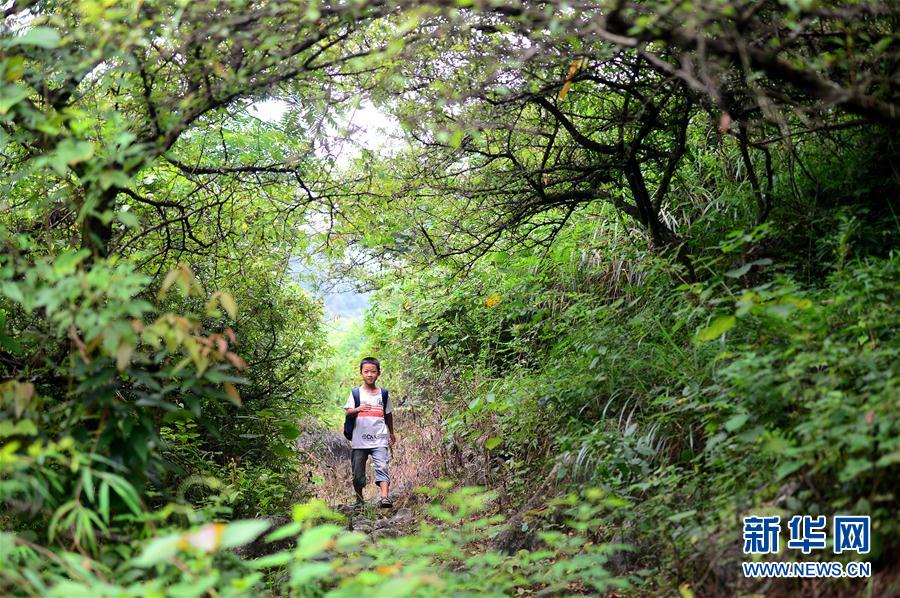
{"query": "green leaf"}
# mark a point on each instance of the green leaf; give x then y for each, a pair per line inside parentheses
(309, 571)
(128, 219)
(889, 459)
(492, 443)
(288, 430)
(781, 310)
(285, 531)
(103, 505)
(15, 68)
(159, 550)
(719, 326)
(738, 272)
(403, 585)
(10, 95)
(125, 491)
(68, 261)
(42, 37)
(226, 300)
(279, 559)
(350, 541)
(87, 481)
(786, 469)
(9, 343)
(23, 427)
(7, 545)
(685, 591)
(316, 540)
(736, 422)
(853, 468)
(683, 515)
(110, 178)
(74, 152)
(123, 355)
(243, 532)
(64, 508)
(282, 450)
(12, 290)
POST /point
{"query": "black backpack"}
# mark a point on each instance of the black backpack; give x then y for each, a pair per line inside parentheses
(350, 420)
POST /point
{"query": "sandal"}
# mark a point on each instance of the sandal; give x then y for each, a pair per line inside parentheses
(385, 502)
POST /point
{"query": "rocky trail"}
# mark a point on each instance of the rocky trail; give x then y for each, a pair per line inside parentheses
(412, 465)
(378, 522)
(328, 453)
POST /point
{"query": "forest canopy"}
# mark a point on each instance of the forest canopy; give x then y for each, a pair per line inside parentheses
(643, 252)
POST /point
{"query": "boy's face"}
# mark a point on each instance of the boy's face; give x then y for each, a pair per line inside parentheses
(369, 373)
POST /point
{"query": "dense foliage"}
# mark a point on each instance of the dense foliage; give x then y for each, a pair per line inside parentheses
(635, 260)
(692, 405)
(762, 381)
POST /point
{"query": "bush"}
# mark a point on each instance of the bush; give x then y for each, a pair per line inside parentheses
(692, 404)
(441, 558)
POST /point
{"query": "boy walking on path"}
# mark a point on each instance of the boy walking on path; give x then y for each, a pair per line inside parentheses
(373, 430)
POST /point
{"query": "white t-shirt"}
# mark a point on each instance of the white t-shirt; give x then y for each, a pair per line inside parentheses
(370, 430)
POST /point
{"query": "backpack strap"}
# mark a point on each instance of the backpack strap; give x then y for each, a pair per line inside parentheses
(384, 398)
(355, 393)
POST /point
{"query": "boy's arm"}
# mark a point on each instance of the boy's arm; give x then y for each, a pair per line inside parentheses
(389, 420)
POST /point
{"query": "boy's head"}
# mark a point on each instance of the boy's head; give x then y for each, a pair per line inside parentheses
(369, 369)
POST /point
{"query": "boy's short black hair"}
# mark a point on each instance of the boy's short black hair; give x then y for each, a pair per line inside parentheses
(372, 361)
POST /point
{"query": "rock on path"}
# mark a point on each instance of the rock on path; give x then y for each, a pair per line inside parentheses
(380, 523)
(376, 522)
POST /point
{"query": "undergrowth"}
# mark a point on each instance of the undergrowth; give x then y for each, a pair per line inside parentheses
(693, 404)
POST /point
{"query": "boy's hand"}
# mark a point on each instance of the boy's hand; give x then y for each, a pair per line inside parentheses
(393, 440)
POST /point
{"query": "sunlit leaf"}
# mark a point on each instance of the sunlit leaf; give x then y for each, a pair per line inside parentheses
(123, 355)
(719, 326)
(228, 304)
(43, 37)
(233, 395)
(159, 550)
(10, 95)
(74, 152)
(736, 422)
(238, 533)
